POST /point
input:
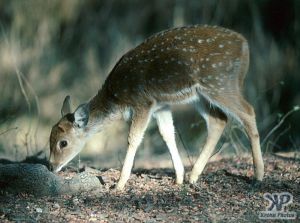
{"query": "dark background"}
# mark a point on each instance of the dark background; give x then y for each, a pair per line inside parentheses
(49, 49)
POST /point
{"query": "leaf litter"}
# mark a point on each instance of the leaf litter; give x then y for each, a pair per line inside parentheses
(225, 192)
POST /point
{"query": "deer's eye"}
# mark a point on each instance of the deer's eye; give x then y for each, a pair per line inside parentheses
(63, 144)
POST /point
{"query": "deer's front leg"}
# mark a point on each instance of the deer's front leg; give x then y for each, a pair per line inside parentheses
(140, 120)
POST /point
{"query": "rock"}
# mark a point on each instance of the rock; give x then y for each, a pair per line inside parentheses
(36, 179)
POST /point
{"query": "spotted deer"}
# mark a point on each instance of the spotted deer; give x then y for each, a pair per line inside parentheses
(202, 65)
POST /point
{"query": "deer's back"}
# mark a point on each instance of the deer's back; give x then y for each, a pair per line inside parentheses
(173, 61)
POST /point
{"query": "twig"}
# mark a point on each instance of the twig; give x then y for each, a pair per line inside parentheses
(296, 108)
(184, 145)
(234, 134)
(7, 130)
(237, 151)
(21, 80)
(282, 133)
(239, 146)
(274, 145)
(276, 139)
(218, 150)
(20, 77)
(36, 100)
(294, 143)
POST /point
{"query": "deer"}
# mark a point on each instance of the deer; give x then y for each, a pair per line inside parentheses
(198, 64)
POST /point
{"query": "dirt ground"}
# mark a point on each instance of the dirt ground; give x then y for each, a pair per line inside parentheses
(224, 193)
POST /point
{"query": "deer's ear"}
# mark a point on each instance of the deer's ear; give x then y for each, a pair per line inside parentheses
(66, 108)
(81, 115)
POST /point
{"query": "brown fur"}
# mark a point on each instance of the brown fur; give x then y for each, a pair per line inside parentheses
(200, 64)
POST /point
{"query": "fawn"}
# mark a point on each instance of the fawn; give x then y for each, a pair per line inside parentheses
(203, 65)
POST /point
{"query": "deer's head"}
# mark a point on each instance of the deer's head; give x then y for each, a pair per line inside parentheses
(68, 136)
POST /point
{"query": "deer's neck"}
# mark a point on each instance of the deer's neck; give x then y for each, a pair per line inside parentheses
(102, 111)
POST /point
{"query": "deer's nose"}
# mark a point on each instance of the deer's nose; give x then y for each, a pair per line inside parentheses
(51, 163)
(50, 167)
(54, 167)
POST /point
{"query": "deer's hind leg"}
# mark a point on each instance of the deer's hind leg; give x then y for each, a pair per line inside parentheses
(238, 108)
(247, 117)
(215, 121)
